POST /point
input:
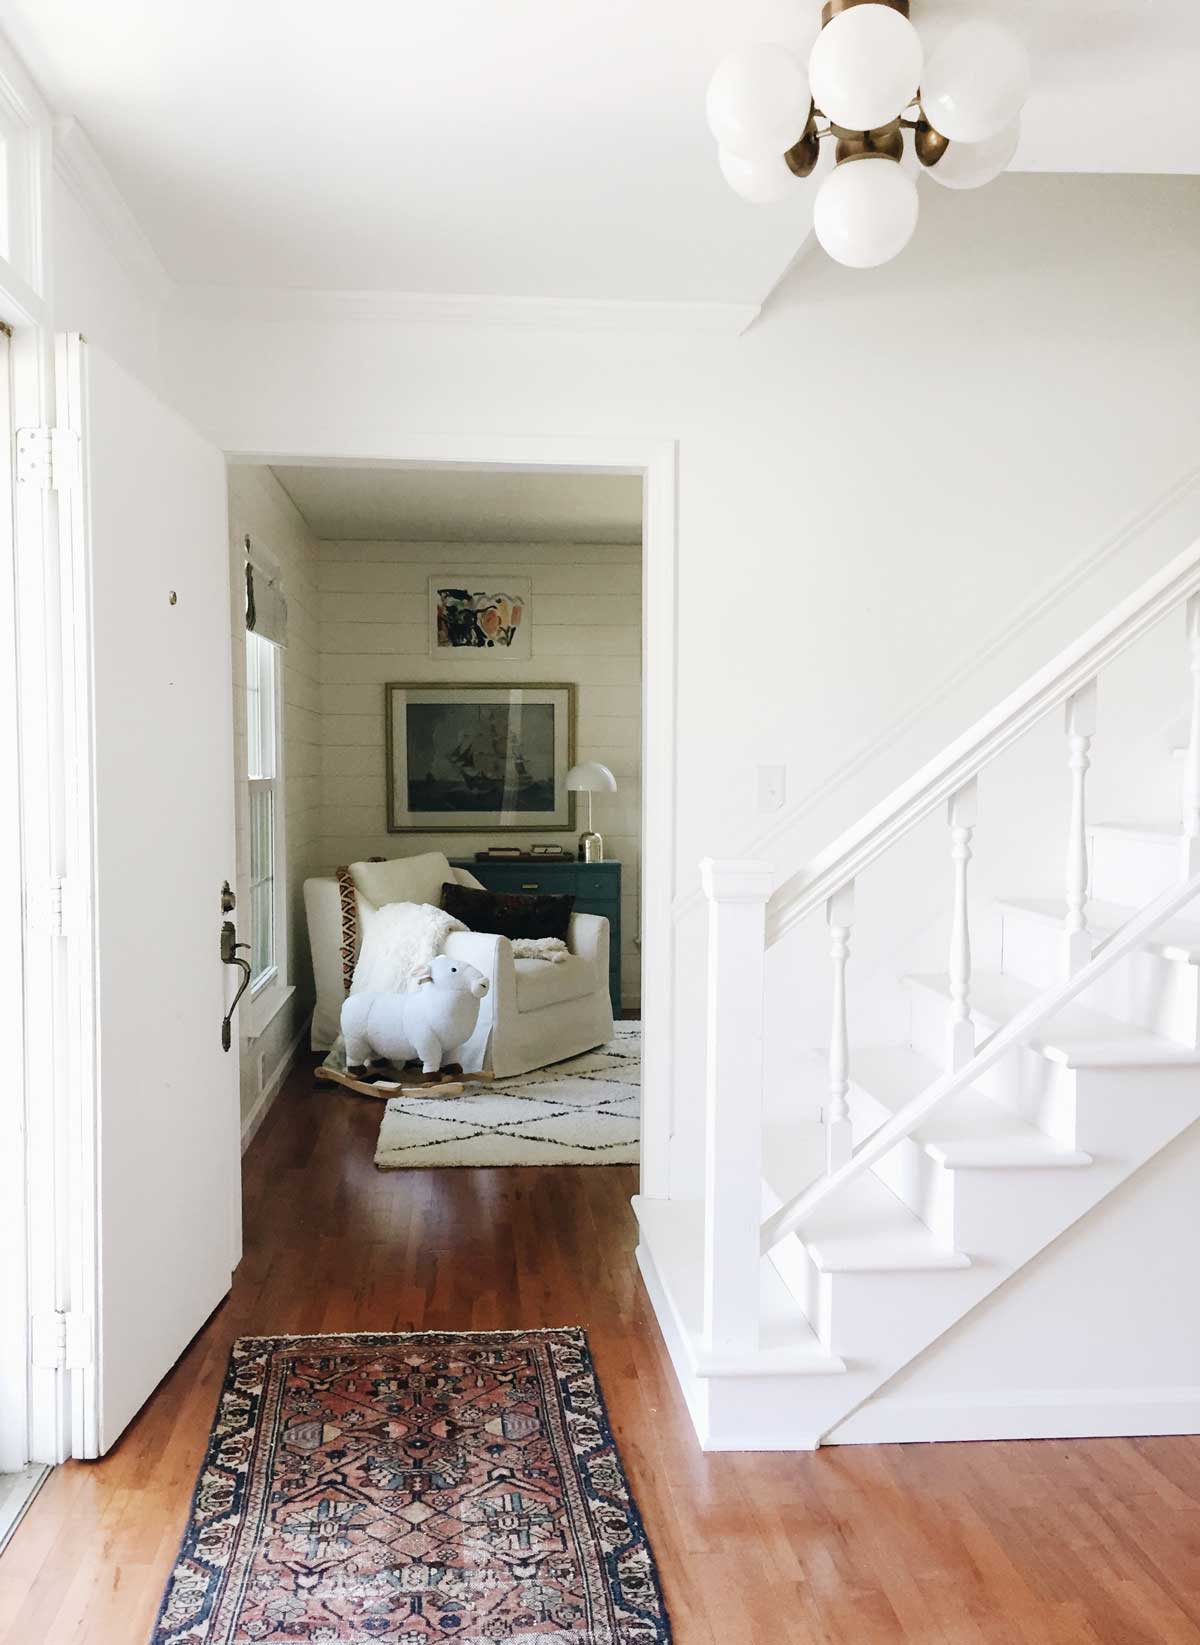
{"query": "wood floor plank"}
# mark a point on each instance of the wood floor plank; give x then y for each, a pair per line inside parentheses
(1044, 1543)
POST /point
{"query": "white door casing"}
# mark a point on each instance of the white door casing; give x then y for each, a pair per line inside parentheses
(150, 796)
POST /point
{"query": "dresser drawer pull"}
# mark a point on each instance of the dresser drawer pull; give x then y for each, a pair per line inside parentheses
(532, 885)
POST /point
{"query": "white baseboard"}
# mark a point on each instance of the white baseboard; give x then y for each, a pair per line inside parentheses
(271, 1089)
(1091, 1413)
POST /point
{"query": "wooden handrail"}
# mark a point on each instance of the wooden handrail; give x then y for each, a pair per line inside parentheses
(1014, 1032)
(963, 759)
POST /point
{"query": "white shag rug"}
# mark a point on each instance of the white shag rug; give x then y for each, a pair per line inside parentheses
(583, 1111)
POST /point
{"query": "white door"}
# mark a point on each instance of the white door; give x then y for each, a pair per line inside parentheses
(150, 710)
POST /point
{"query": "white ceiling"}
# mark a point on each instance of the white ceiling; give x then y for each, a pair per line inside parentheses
(459, 505)
(548, 148)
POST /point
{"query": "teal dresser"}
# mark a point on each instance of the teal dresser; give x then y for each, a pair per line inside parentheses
(596, 887)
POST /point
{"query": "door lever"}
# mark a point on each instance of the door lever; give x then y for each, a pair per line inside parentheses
(230, 956)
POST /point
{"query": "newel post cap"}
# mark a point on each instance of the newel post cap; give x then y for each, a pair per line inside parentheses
(727, 880)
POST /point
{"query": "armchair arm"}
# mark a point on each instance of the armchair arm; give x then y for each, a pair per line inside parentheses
(493, 956)
(587, 936)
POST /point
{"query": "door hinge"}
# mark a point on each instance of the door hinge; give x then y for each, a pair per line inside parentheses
(61, 1342)
(53, 907)
(47, 458)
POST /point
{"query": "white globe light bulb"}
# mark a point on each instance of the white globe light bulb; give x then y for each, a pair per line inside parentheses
(975, 82)
(971, 165)
(758, 101)
(865, 67)
(865, 212)
(763, 179)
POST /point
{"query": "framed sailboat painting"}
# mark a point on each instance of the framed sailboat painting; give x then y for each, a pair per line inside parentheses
(475, 758)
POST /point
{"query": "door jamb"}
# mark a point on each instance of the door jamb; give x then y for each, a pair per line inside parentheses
(656, 461)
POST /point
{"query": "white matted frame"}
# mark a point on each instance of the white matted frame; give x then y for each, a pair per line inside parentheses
(656, 461)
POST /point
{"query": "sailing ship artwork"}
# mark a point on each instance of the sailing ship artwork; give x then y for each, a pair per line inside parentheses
(464, 757)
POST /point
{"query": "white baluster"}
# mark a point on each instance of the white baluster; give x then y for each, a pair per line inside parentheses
(1081, 728)
(962, 815)
(1191, 764)
(737, 895)
(839, 913)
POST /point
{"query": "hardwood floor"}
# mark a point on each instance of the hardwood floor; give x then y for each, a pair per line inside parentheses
(1004, 1544)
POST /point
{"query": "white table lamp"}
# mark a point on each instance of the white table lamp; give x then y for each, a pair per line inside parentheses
(591, 778)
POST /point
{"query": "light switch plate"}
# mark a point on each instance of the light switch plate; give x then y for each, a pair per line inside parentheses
(772, 783)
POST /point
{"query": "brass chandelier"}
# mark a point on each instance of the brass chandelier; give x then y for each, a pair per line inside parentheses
(867, 83)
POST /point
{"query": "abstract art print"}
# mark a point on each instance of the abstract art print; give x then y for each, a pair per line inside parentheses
(476, 758)
(479, 616)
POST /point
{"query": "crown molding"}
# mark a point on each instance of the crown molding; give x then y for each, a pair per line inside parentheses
(87, 177)
(286, 305)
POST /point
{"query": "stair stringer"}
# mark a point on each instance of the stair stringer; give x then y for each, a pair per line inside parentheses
(878, 1322)
(1095, 1337)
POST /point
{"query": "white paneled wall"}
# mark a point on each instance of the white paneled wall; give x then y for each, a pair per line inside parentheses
(259, 507)
(587, 631)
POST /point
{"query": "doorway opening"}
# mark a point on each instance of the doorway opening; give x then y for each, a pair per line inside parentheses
(460, 692)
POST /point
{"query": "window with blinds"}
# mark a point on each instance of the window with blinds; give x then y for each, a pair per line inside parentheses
(262, 696)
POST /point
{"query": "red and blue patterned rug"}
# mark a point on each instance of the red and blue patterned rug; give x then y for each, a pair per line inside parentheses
(415, 1489)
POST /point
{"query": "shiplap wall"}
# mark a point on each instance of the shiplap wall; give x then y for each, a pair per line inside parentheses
(259, 507)
(586, 611)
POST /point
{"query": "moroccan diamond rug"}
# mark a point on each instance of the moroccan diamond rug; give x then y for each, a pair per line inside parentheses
(414, 1489)
(580, 1112)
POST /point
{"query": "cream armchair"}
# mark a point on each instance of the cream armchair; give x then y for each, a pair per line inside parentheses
(534, 1013)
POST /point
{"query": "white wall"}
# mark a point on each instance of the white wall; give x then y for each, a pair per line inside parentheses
(883, 486)
(260, 508)
(98, 292)
(586, 610)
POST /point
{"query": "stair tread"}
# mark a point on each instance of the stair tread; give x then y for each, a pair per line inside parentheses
(1076, 1035)
(674, 1231)
(1157, 833)
(1176, 939)
(968, 1130)
(864, 1228)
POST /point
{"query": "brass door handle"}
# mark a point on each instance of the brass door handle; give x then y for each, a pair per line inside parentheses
(230, 956)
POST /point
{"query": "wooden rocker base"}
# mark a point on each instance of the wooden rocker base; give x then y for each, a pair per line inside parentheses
(383, 1089)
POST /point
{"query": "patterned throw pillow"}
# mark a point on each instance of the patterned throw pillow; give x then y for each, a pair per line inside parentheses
(508, 914)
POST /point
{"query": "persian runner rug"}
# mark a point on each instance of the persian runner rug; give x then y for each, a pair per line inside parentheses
(583, 1111)
(413, 1488)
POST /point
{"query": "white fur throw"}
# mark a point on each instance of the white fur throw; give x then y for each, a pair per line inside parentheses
(553, 949)
(399, 942)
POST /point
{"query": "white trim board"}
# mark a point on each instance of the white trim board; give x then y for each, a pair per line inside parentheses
(252, 1123)
(265, 304)
(656, 460)
(1071, 1413)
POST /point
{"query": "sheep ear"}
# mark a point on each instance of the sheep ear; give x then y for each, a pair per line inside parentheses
(424, 975)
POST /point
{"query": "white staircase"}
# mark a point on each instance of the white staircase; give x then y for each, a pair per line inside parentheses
(823, 1258)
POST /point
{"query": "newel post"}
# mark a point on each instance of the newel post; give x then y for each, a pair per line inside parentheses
(737, 895)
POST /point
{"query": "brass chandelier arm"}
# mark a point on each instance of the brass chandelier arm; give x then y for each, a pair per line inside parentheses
(834, 8)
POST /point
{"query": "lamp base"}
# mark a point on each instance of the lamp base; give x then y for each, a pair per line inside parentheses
(591, 847)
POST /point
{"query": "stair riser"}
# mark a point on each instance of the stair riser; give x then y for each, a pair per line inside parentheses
(891, 1316)
(1133, 871)
(1040, 1091)
(1127, 1114)
(919, 1182)
(1159, 994)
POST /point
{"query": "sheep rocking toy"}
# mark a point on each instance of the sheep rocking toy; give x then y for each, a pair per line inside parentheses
(437, 1017)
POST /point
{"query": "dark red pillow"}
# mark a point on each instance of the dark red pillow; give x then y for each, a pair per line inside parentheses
(508, 913)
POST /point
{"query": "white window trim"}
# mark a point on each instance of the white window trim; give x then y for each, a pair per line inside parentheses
(270, 993)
